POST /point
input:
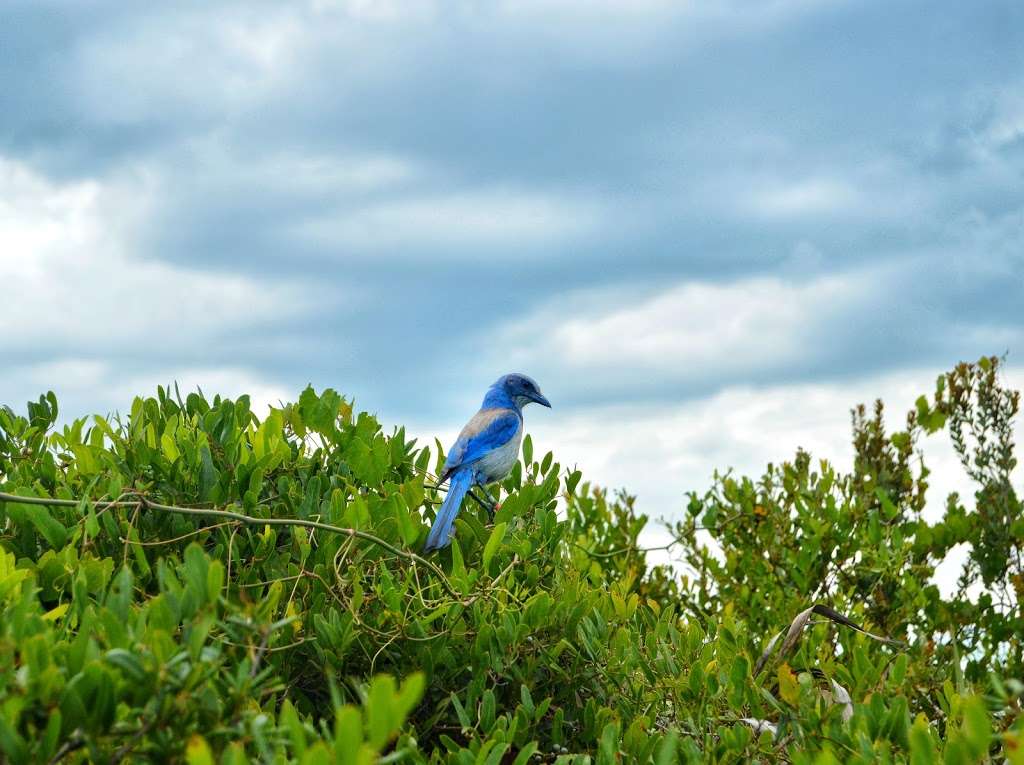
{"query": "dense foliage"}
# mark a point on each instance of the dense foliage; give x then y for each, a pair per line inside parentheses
(134, 630)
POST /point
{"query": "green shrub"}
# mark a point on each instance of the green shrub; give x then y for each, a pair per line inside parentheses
(199, 585)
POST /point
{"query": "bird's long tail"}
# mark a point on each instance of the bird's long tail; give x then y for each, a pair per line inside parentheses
(440, 532)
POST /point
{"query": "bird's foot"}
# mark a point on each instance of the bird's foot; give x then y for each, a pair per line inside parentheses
(492, 511)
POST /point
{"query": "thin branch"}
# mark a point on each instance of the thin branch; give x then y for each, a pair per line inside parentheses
(143, 501)
(264, 644)
(5, 497)
(620, 551)
(75, 741)
(128, 746)
(159, 542)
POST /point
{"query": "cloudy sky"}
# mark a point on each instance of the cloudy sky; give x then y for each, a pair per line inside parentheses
(707, 228)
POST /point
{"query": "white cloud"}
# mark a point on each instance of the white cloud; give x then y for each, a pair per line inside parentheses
(217, 166)
(160, 65)
(75, 375)
(71, 281)
(1009, 127)
(378, 10)
(489, 217)
(991, 121)
(154, 65)
(687, 333)
(814, 196)
(612, 27)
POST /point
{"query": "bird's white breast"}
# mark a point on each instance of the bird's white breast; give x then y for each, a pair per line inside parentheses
(497, 463)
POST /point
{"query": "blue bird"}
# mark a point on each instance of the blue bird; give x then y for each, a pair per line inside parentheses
(485, 450)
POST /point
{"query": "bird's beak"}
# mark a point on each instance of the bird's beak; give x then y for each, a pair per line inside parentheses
(541, 399)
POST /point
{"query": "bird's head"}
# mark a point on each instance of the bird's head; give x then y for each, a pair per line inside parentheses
(521, 389)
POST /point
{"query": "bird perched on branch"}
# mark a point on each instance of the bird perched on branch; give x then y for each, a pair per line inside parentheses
(485, 450)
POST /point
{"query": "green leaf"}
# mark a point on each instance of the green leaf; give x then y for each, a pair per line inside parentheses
(85, 461)
(214, 580)
(318, 754)
(922, 748)
(348, 734)
(42, 519)
(169, 447)
(573, 481)
(526, 699)
(410, 693)
(11, 744)
(128, 663)
(408, 527)
(381, 713)
(72, 705)
(493, 543)
(977, 727)
(208, 474)
(459, 573)
(607, 753)
(899, 669)
(666, 752)
(460, 711)
(289, 720)
(789, 688)
(197, 751)
(496, 754)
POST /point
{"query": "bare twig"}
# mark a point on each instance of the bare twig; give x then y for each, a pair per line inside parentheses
(620, 551)
(172, 540)
(75, 741)
(258, 659)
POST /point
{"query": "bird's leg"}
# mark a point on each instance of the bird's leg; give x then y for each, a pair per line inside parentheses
(493, 508)
(480, 502)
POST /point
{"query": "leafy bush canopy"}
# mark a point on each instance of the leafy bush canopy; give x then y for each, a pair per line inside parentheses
(190, 583)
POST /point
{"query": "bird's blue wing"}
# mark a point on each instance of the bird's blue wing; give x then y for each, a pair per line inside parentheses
(489, 429)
